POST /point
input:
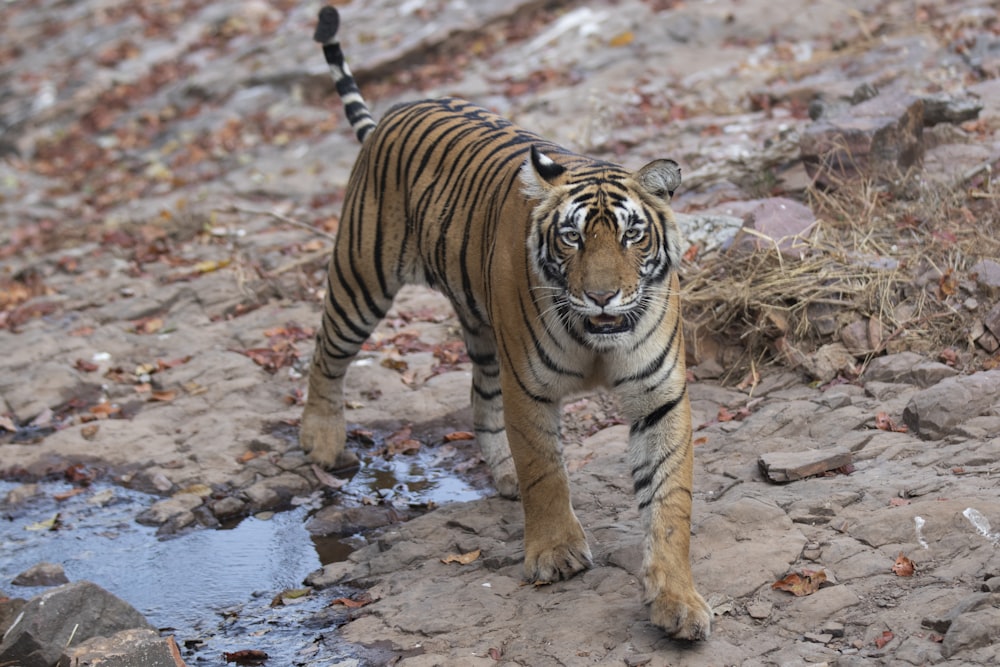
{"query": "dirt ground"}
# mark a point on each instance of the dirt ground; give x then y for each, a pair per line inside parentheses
(170, 183)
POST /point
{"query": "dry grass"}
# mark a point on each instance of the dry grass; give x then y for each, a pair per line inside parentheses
(900, 253)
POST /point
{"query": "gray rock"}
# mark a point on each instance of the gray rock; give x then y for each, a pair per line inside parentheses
(128, 648)
(880, 138)
(779, 223)
(972, 630)
(165, 510)
(42, 574)
(907, 367)
(80, 610)
(943, 108)
(987, 274)
(936, 411)
(333, 520)
(274, 492)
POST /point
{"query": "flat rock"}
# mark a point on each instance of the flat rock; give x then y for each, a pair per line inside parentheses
(972, 630)
(777, 223)
(790, 466)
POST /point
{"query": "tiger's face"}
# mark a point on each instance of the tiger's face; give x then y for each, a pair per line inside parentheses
(603, 242)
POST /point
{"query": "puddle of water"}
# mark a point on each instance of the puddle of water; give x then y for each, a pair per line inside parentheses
(212, 589)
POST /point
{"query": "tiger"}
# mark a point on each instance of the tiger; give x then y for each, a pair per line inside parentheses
(563, 273)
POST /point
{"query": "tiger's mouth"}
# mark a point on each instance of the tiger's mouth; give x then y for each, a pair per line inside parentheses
(607, 324)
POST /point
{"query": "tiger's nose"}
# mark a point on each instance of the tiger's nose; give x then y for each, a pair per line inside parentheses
(601, 297)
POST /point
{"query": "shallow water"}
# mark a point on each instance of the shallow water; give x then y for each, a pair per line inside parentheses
(211, 589)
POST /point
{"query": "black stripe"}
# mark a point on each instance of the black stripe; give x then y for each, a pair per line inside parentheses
(646, 503)
(654, 417)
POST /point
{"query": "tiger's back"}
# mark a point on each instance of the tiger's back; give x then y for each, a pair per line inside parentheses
(563, 272)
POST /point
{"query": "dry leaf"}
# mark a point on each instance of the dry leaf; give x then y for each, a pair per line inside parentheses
(881, 641)
(360, 601)
(903, 567)
(622, 39)
(164, 396)
(459, 435)
(462, 559)
(247, 657)
(326, 479)
(797, 584)
(885, 423)
(85, 366)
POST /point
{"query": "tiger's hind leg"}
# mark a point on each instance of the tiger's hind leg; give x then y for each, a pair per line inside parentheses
(487, 412)
(351, 310)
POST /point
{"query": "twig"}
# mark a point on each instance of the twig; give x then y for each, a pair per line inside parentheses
(279, 216)
(311, 257)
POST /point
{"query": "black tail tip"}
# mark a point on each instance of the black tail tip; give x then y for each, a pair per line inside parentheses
(326, 28)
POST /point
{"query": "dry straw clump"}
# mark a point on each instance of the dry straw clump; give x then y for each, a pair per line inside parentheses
(897, 255)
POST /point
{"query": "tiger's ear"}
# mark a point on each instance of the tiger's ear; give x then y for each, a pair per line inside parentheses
(660, 178)
(539, 174)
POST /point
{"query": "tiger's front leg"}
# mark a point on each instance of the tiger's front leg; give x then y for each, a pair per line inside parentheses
(661, 456)
(555, 546)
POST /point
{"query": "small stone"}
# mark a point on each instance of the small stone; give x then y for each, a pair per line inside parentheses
(759, 610)
(829, 361)
(991, 585)
(854, 336)
(19, 494)
(164, 510)
(228, 507)
(42, 574)
(987, 273)
(943, 108)
(992, 320)
(818, 638)
(833, 629)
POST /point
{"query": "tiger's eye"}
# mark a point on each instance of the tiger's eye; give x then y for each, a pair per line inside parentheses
(571, 237)
(633, 234)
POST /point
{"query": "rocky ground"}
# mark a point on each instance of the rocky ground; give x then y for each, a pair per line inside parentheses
(170, 182)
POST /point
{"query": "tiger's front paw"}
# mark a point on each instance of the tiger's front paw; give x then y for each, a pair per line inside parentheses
(682, 614)
(322, 436)
(557, 556)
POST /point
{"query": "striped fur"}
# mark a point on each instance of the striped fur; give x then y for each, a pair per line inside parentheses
(562, 271)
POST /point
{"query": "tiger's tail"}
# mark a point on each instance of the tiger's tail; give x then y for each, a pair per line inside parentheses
(358, 113)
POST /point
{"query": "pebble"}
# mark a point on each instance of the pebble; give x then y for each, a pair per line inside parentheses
(42, 574)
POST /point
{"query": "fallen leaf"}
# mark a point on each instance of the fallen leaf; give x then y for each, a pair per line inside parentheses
(903, 567)
(52, 523)
(459, 435)
(85, 366)
(162, 365)
(246, 657)
(326, 479)
(622, 39)
(163, 396)
(884, 639)
(354, 603)
(66, 495)
(290, 594)
(250, 455)
(462, 559)
(885, 423)
(147, 325)
(395, 364)
(103, 410)
(806, 583)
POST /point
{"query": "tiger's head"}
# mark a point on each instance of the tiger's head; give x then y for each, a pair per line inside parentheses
(603, 242)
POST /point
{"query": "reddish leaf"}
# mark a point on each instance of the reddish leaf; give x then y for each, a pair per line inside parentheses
(85, 366)
(459, 435)
(903, 567)
(806, 583)
(462, 559)
(885, 423)
(884, 639)
(246, 657)
(354, 603)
